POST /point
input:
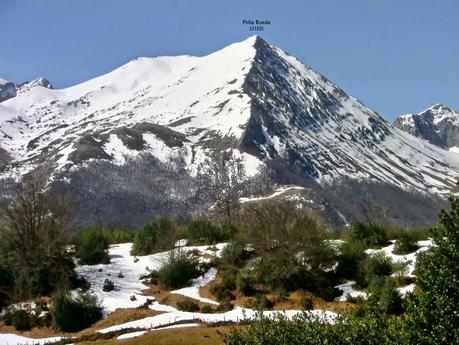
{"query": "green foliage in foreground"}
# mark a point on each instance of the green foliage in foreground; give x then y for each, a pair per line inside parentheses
(309, 330)
(431, 318)
(72, 314)
(434, 316)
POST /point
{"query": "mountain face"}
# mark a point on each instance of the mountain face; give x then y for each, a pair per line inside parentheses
(138, 141)
(439, 125)
(7, 90)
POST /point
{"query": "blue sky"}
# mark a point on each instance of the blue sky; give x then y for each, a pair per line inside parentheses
(397, 56)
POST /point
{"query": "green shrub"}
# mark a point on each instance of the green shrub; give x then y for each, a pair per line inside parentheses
(260, 302)
(224, 307)
(203, 231)
(22, 320)
(384, 297)
(406, 243)
(221, 293)
(120, 236)
(245, 283)
(187, 305)
(229, 279)
(178, 270)
(206, 309)
(233, 255)
(351, 255)
(306, 329)
(109, 285)
(72, 314)
(91, 246)
(153, 237)
(375, 265)
(368, 234)
(327, 293)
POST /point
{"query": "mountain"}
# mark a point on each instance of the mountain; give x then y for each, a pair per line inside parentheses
(138, 141)
(439, 125)
(7, 90)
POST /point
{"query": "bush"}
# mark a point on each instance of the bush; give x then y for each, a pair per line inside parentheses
(72, 314)
(306, 303)
(207, 309)
(260, 302)
(384, 297)
(91, 246)
(203, 231)
(120, 236)
(108, 285)
(21, 319)
(233, 255)
(327, 293)
(406, 243)
(178, 270)
(375, 265)
(245, 283)
(187, 305)
(156, 236)
(221, 293)
(349, 260)
(368, 234)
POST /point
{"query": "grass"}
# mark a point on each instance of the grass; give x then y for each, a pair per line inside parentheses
(184, 336)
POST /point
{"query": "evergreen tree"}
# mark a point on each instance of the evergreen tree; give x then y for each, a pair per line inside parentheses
(434, 315)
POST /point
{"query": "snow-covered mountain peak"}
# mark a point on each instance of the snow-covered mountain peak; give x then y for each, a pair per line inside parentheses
(38, 82)
(249, 97)
(438, 125)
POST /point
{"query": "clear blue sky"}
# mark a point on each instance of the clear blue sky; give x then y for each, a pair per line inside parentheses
(397, 56)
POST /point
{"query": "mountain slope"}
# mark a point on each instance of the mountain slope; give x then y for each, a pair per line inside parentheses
(163, 119)
(439, 125)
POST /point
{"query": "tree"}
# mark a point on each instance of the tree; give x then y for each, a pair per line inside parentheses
(228, 182)
(291, 243)
(433, 313)
(33, 239)
(91, 246)
(156, 236)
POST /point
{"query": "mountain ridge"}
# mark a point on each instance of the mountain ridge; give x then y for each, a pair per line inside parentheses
(249, 101)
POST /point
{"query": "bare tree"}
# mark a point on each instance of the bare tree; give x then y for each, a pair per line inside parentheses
(33, 238)
(228, 182)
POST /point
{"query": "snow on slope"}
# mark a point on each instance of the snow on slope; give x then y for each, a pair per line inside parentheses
(162, 90)
(126, 270)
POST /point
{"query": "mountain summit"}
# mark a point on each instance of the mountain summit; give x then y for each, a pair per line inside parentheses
(439, 125)
(250, 100)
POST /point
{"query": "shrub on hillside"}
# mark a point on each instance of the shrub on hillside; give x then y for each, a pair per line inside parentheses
(233, 255)
(21, 320)
(109, 285)
(91, 246)
(375, 265)
(203, 231)
(406, 243)
(351, 255)
(188, 305)
(245, 283)
(178, 270)
(384, 297)
(221, 293)
(153, 237)
(72, 314)
(371, 235)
